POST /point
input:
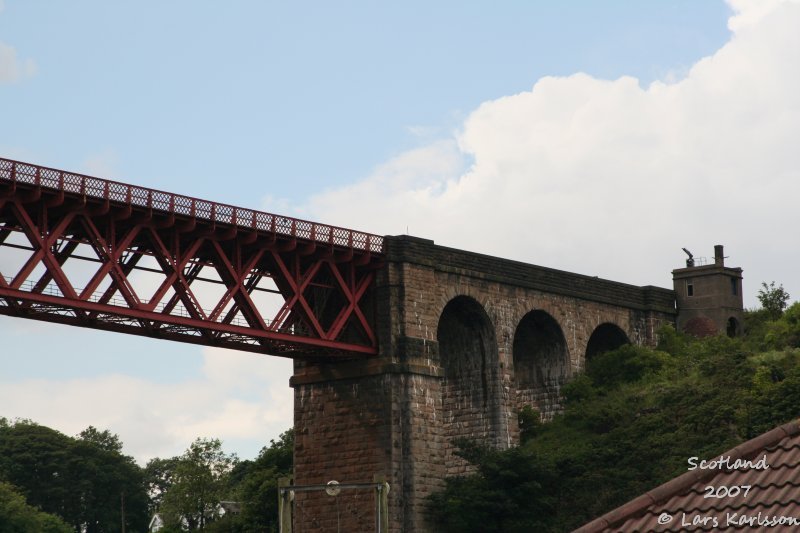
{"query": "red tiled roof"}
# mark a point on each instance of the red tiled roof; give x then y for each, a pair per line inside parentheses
(683, 504)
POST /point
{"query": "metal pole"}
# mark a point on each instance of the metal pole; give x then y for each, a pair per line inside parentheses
(284, 505)
(378, 489)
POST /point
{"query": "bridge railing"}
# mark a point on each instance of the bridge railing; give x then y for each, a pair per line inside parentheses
(69, 182)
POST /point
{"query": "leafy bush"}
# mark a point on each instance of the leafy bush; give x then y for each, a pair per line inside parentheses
(484, 503)
(773, 299)
(16, 516)
(627, 364)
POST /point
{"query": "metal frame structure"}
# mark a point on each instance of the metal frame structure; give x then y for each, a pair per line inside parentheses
(287, 493)
(320, 277)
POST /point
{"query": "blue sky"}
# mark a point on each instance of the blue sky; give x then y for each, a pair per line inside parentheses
(574, 127)
(287, 98)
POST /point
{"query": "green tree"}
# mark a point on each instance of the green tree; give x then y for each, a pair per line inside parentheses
(89, 486)
(104, 440)
(258, 488)
(783, 331)
(35, 459)
(530, 421)
(159, 477)
(626, 364)
(110, 488)
(16, 516)
(199, 482)
(773, 299)
(485, 502)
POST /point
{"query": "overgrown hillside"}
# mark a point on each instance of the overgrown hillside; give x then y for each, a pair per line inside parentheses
(631, 422)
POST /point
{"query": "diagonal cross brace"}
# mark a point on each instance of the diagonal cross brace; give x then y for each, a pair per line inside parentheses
(42, 242)
(234, 281)
(296, 288)
(353, 293)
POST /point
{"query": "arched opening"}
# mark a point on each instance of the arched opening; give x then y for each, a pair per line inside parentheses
(604, 338)
(541, 362)
(732, 328)
(468, 355)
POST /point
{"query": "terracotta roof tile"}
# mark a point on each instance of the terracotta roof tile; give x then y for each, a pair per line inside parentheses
(686, 503)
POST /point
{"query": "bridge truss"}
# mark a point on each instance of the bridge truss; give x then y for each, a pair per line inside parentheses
(89, 252)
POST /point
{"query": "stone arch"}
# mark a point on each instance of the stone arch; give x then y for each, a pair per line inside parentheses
(468, 356)
(541, 362)
(732, 327)
(605, 337)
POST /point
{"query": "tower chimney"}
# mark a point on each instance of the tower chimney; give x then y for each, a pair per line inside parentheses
(719, 258)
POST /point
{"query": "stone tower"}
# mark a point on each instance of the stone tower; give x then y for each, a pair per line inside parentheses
(709, 297)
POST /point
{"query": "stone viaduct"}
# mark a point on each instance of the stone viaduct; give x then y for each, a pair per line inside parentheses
(400, 346)
(466, 340)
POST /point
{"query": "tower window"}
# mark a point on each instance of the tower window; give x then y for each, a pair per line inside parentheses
(734, 286)
(689, 288)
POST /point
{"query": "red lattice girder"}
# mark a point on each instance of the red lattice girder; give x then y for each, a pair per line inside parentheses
(354, 293)
(172, 264)
(42, 243)
(324, 276)
(234, 281)
(110, 258)
(292, 285)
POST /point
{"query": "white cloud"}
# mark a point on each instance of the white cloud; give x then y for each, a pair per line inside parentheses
(611, 178)
(750, 12)
(13, 69)
(240, 397)
(392, 199)
(101, 165)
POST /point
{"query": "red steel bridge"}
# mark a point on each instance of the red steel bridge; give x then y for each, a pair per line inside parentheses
(89, 252)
